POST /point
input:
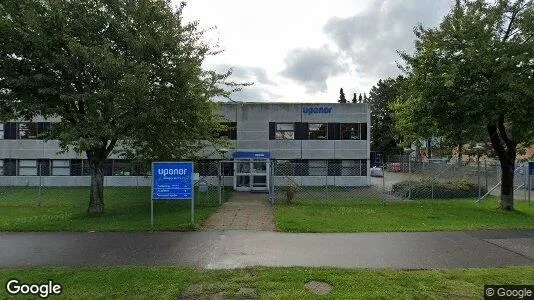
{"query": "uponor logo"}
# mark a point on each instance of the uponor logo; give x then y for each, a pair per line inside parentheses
(166, 172)
(317, 110)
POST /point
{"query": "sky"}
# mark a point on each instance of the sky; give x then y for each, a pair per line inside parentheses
(305, 51)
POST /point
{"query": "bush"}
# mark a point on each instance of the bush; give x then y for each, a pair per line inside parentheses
(442, 190)
(290, 192)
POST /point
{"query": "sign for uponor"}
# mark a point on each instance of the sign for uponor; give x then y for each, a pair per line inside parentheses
(316, 110)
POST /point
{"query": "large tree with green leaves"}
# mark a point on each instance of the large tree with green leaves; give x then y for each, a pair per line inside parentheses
(383, 134)
(119, 74)
(475, 73)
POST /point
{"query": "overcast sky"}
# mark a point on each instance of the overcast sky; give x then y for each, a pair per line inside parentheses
(300, 51)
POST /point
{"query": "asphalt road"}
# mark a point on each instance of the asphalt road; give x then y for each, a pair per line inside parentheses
(236, 249)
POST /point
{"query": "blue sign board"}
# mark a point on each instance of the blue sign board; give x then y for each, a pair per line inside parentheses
(252, 155)
(531, 168)
(172, 180)
(316, 110)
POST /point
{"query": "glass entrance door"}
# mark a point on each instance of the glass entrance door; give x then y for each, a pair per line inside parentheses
(251, 175)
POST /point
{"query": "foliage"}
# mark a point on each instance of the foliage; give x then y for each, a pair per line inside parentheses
(118, 75)
(474, 74)
(424, 189)
(342, 98)
(383, 134)
(290, 192)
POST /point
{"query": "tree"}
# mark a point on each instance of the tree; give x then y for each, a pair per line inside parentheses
(342, 98)
(354, 100)
(475, 73)
(360, 98)
(365, 99)
(381, 96)
(119, 74)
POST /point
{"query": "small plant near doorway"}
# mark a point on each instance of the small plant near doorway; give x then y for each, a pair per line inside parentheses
(290, 192)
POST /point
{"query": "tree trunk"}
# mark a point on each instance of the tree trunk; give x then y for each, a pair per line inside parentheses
(96, 197)
(507, 186)
(505, 147)
(460, 148)
(428, 149)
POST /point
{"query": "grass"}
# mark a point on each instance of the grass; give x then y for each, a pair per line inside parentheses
(267, 283)
(420, 215)
(126, 209)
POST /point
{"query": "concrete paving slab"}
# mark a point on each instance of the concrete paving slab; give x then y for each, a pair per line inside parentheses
(242, 248)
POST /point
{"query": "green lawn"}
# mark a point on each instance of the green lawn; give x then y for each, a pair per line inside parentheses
(267, 283)
(126, 209)
(421, 215)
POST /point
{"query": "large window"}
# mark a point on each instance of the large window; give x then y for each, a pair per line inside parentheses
(350, 131)
(27, 130)
(43, 167)
(10, 167)
(230, 130)
(23, 130)
(357, 167)
(285, 131)
(317, 168)
(27, 167)
(60, 167)
(317, 131)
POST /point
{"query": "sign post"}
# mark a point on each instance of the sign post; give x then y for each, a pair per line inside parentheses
(172, 181)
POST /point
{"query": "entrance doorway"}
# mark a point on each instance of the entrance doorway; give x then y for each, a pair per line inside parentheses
(251, 174)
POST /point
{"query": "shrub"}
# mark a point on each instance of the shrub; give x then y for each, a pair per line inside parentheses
(290, 192)
(441, 190)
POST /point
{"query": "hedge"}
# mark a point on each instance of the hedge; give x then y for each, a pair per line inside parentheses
(442, 190)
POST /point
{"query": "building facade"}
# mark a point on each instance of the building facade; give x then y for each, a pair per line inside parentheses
(312, 139)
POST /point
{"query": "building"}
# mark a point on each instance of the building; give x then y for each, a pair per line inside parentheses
(318, 139)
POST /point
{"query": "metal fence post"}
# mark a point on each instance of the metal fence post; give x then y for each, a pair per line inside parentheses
(326, 179)
(219, 175)
(478, 174)
(40, 182)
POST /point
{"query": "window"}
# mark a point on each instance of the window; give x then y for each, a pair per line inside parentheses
(76, 167)
(230, 131)
(284, 168)
(334, 167)
(42, 128)
(10, 167)
(317, 168)
(350, 131)
(27, 167)
(60, 167)
(43, 167)
(122, 167)
(285, 131)
(10, 131)
(227, 168)
(1, 167)
(27, 130)
(2, 131)
(317, 131)
(356, 167)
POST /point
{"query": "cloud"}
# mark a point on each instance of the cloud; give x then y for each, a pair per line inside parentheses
(372, 37)
(312, 67)
(245, 73)
(255, 94)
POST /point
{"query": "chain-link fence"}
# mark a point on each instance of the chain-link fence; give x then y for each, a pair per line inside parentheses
(322, 181)
(438, 178)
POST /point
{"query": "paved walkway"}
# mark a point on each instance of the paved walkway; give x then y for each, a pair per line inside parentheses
(242, 248)
(245, 211)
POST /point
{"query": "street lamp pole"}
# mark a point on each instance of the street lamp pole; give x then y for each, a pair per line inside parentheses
(408, 151)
